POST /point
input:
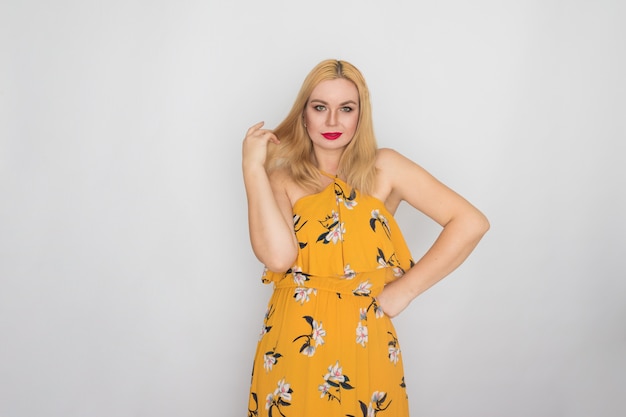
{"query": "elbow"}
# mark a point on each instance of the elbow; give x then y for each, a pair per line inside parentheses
(278, 266)
(481, 225)
(279, 262)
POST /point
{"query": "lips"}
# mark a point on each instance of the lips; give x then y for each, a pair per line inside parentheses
(331, 135)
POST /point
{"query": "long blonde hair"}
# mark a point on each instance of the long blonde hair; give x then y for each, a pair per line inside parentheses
(295, 152)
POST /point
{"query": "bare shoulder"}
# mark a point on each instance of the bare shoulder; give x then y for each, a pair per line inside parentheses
(389, 160)
(405, 180)
(399, 170)
(391, 168)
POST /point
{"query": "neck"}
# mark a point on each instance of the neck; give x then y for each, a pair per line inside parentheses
(327, 162)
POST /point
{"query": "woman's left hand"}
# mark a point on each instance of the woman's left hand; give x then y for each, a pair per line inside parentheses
(393, 299)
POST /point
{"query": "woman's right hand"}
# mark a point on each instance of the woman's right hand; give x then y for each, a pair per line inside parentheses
(255, 145)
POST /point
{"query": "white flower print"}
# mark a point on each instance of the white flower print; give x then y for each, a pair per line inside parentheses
(376, 404)
(268, 362)
(335, 373)
(378, 396)
(308, 350)
(263, 332)
(266, 328)
(362, 313)
(324, 388)
(302, 294)
(279, 398)
(283, 391)
(350, 204)
(298, 277)
(378, 311)
(394, 354)
(311, 340)
(397, 271)
(348, 273)
(379, 218)
(376, 215)
(318, 333)
(336, 233)
(363, 288)
(348, 200)
(334, 382)
(361, 334)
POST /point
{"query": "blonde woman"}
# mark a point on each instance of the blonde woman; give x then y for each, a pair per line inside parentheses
(321, 198)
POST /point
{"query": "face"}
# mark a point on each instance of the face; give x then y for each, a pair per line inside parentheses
(332, 114)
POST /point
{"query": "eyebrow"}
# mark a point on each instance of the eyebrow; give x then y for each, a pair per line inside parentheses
(341, 104)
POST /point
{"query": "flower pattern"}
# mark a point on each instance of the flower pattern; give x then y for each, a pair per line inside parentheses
(270, 359)
(266, 328)
(299, 277)
(361, 334)
(348, 273)
(378, 218)
(297, 226)
(313, 339)
(394, 349)
(334, 382)
(348, 248)
(303, 294)
(281, 397)
(349, 201)
(363, 289)
(335, 229)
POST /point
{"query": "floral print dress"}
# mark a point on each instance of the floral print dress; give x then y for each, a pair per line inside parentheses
(326, 348)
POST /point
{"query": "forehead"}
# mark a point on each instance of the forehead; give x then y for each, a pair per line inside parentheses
(337, 90)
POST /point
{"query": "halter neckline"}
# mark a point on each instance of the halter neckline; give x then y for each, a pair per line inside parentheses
(326, 174)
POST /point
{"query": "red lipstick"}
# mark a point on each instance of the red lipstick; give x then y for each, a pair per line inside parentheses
(331, 135)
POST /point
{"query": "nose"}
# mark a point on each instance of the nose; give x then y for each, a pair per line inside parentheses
(331, 120)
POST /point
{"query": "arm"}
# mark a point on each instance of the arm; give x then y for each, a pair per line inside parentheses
(463, 227)
(269, 210)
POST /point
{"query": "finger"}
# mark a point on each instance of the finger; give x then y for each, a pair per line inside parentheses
(273, 138)
(255, 127)
(265, 134)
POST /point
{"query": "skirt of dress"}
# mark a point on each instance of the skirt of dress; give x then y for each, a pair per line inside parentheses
(327, 350)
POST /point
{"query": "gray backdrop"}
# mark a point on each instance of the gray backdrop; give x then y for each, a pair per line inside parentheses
(128, 287)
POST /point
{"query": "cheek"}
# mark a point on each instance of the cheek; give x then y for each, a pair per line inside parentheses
(354, 121)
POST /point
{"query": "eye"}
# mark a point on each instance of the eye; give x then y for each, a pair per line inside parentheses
(319, 107)
(347, 109)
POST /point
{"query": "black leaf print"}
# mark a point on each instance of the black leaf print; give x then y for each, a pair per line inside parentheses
(296, 221)
(363, 408)
(345, 384)
(323, 237)
(297, 227)
(254, 412)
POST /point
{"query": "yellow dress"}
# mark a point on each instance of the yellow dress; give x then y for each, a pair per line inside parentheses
(326, 348)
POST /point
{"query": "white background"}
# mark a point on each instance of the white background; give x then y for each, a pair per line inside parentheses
(127, 283)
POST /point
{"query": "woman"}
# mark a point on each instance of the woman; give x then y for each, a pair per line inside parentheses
(321, 198)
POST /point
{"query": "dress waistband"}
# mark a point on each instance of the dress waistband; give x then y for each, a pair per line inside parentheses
(368, 283)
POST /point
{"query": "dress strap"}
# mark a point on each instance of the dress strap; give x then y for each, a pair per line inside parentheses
(326, 174)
